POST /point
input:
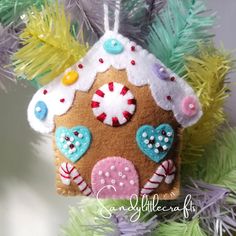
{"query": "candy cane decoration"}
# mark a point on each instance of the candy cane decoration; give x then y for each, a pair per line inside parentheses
(166, 171)
(69, 173)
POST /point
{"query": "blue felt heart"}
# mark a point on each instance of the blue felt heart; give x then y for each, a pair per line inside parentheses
(73, 143)
(155, 142)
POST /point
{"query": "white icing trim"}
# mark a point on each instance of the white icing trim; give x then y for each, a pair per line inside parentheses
(139, 74)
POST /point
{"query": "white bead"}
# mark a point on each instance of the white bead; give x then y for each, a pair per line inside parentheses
(191, 106)
(150, 145)
(156, 151)
(160, 138)
(165, 147)
(121, 184)
(157, 145)
(144, 135)
(68, 143)
(102, 181)
(72, 139)
(100, 172)
(113, 181)
(124, 176)
(146, 141)
(112, 167)
(120, 174)
(107, 174)
(169, 134)
(70, 151)
(131, 182)
(65, 146)
(126, 168)
(166, 140)
(80, 135)
(152, 138)
(38, 109)
(74, 150)
(61, 140)
(77, 144)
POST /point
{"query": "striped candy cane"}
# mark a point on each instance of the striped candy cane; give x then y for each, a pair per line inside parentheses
(69, 173)
(166, 172)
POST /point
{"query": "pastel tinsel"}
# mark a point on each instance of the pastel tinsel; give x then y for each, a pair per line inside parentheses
(207, 74)
(49, 48)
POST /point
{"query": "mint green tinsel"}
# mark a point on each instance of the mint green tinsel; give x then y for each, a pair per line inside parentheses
(12, 10)
(178, 31)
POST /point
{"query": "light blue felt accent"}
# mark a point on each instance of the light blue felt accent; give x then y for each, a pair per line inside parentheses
(113, 46)
(65, 146)
(42, 113)
(150, 131)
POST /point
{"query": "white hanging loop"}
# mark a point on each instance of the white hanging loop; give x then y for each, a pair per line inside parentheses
(117, 16)
(106, 18)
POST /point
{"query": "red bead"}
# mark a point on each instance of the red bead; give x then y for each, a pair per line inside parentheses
(62, 100)
(169, 98)
(67, 138)
(76, 133)
(80, 66)
(172, 78)
(133, 62)
(72, 146)
(101, 60)
(45, 91)
(133, 48)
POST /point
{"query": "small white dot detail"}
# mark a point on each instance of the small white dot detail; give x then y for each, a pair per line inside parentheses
(112, 167)
(156, 151)
(80, 135)
(124, 176)
(38, 109)
(72, 139)
(100, 172)
(166, 140)
(160, 138)
(152, 138)
(144, 135)
(121, 184)
(146, 141)
(113, 181)
(65, 146)
(107, 174)
(120, 174)
(77, 144)
(169, 134)
(150, 146)
(165, 147)
(157, 145)
(126, 168)
(102, 181)
(131, 182)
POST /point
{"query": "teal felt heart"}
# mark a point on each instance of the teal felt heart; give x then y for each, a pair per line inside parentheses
(155, 142)
(73, 143)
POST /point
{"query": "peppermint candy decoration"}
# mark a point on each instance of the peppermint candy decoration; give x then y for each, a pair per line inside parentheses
(113, 104)
(69, 173)
(166, 171)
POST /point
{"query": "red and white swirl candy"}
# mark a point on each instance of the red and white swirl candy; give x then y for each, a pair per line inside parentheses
(166, 171)
(69, 173)
(113, 104)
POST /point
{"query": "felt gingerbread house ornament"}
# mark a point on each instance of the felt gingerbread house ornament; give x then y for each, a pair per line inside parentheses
(116, 116)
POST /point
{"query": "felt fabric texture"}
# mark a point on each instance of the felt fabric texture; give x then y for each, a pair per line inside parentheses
(73, 143)
(115, 177)
(168, 89)
(119, 141)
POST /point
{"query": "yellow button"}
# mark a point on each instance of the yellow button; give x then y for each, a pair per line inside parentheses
(70, 78)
